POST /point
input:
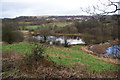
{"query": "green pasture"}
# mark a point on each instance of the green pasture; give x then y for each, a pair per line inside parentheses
(32, 27)
(60, 24)
(46, 25)
(21, 48)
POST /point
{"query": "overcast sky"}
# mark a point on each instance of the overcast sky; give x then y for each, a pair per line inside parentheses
(15, 8)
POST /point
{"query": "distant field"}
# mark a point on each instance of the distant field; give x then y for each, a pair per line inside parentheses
(32, 27)
(46, 25)
(66, 56)
(60, 24)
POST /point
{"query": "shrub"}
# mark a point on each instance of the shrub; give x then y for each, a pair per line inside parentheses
(66, 44)
(37, 51)
(11, 34)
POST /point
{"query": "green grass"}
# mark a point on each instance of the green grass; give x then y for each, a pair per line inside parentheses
(76, 47)
(32, 27)
(21, 48)
(75, 55)
(66, 56)
(60, 24)
(46, 25)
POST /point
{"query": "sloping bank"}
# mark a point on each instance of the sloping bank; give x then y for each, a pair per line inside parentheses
(75, 55)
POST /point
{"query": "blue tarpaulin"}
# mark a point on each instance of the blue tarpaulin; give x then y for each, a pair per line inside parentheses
(115, 50)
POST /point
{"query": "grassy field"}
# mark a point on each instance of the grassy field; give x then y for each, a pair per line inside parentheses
(46, 25)
(32, 27)
(21, 48)
(60, 24)
(66, 56)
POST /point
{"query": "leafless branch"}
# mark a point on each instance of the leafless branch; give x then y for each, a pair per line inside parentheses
(96, 8)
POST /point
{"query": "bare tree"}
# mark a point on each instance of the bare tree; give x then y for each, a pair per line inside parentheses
(110, 7)
(103, 8)
(45, 32)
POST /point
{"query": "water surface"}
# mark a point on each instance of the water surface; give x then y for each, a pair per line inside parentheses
(61, 39)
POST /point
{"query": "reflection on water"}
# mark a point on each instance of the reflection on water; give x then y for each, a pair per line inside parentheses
(114, 50)
(61, 39)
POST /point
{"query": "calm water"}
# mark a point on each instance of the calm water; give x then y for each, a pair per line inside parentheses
(52, 39)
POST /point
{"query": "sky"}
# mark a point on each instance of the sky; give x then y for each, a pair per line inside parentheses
(16, 8)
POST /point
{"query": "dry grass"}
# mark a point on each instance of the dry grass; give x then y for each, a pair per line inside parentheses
(100, 48)
(25, 33)
(3, 43)
(46, 68)
(12, 55)
(25, 67)
(109, 60)
(10, 62)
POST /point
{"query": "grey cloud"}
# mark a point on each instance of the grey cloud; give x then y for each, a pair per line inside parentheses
(13, 9)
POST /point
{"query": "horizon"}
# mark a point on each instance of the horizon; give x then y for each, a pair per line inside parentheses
(49, 16)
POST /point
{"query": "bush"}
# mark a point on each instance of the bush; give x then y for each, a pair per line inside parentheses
(37, 51)
(66, 44)
(11, 34)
